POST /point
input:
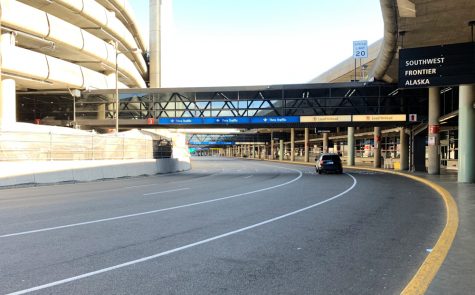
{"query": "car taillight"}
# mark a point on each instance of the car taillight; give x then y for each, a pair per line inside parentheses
(321, 162)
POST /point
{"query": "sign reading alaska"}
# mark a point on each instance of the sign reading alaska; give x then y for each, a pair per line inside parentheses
(444, 65)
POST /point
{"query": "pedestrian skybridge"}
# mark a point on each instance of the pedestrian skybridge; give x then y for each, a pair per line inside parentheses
(301, 105)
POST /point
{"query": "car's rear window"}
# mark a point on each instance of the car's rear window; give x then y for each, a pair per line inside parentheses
(333, 158)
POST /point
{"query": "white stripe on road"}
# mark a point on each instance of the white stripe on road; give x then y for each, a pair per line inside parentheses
(248, 176)
(170, 191)
(144, 259)
(153, 211)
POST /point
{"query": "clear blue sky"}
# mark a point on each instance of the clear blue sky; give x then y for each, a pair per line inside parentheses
(251, 42)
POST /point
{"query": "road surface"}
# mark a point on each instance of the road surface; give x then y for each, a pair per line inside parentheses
(225, 227)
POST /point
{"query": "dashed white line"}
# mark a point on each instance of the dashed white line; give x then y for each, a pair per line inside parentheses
(154, 211)
(144, 259)
(169, 191)
(249, 176)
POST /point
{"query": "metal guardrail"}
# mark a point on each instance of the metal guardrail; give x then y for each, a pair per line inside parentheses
(27, 146)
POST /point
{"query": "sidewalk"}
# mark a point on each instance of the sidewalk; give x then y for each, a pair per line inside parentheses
(457, 273)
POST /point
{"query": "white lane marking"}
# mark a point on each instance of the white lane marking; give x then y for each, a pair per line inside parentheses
(249, 176)
(169, 191)
(153, 211)
(122, 265)
(137, 186)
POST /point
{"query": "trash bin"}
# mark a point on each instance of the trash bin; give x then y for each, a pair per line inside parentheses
(397, 165)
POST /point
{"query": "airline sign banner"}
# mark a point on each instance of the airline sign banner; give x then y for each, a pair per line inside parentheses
(444, 65)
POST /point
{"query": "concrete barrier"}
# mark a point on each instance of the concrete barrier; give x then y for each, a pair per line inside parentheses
(44, 172)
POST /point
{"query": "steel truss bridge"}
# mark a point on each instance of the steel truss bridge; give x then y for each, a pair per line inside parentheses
(197, 107)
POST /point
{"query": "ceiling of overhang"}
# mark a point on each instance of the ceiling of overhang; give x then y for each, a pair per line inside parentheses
(436, 22)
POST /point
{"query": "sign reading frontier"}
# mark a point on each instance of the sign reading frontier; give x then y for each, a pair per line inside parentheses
(421, 72)
(443, 65)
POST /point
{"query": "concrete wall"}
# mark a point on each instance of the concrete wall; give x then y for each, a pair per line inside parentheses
(47, 172)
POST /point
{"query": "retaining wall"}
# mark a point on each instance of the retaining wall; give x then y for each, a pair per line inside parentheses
(44, 172)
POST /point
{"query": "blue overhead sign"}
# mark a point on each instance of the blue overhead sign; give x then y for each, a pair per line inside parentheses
(211, 143)
(229, 120)
(178, 121)
(275, 120)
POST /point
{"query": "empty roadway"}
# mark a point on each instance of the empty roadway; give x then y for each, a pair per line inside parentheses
(225, 227)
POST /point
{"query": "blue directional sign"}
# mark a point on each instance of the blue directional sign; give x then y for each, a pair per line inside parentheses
(275, 120)
(178, 121)
(229, 120)
(212, 143)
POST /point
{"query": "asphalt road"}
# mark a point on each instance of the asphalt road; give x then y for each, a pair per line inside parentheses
(225, 227)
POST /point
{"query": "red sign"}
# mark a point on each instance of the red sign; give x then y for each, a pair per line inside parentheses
(412, 117)
(150, 121)
(434, 129)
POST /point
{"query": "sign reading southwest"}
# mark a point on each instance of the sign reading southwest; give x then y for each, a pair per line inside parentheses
(443, 65)
(228, 120)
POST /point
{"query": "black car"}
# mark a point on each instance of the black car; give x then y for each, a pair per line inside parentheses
(328, 163)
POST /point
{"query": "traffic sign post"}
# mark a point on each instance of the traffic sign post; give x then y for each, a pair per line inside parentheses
(360, 50)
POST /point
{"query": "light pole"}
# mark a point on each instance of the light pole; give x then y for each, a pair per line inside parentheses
(75, 93)
(116, 88)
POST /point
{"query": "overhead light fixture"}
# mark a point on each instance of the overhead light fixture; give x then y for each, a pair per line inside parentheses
(448, 116)
(445, 90)
(402, 34)
(393, 93)
(472, 24)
